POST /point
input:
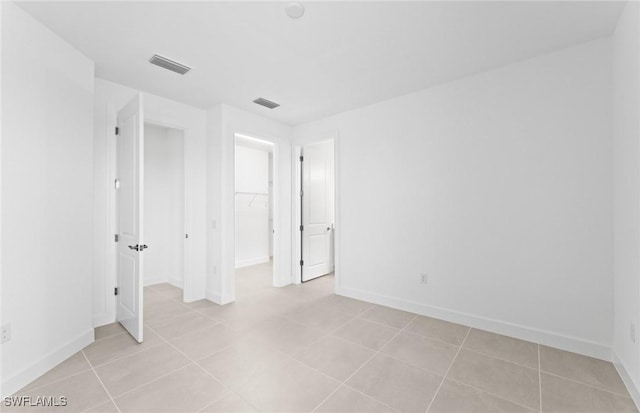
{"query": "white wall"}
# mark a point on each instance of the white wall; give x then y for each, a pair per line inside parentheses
(498, 186)
(47, 92)
(251, 206)
(223, 122)
(109, 98)
(163, 205)
(626, 144)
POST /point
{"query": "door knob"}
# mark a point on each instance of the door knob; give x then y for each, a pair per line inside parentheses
(328, 228)
(134, 247)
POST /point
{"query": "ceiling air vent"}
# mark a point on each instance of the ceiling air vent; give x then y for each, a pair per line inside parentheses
(266, 103)
(169, 64)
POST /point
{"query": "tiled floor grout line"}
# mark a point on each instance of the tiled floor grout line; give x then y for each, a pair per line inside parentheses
(539, 377)
(490, 393)
(148, 382)
(125, 356)
(95, 373)
(446, 373)
(584, 384)
(207, 372)
(360, 368)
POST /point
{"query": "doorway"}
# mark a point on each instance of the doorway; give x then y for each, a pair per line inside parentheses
(317, 210)
(254, 215)
(164, 207)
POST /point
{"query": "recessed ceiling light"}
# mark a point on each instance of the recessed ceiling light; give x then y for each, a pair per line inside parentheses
(294, 10)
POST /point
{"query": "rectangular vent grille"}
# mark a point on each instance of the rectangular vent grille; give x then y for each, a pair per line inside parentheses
(169, 64)
(266, 103)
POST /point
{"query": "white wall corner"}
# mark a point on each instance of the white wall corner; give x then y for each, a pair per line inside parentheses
(628, 381)
(40, 367)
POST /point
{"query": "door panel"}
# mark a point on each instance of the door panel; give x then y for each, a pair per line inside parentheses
(317, 187)
(129, 198)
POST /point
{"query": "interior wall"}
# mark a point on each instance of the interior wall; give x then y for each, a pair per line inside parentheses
(109, 98)
(251, 206)
(499, 187)
(223, 122)
(47, 97)
(626, 138)
(163, 205)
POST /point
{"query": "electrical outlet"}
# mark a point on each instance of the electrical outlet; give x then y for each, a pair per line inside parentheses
(424, 278)
(5, 333)
(632, 332)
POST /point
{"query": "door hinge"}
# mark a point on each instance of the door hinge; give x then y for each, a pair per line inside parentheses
(301, 158)
(301, 192)
(186, 235)
(115, 237)
(115, 291)
(116, 184)
(117, 130)
(301, 227)
(301, 263)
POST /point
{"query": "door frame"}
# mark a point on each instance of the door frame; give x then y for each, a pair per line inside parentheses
(275, 190)
(297, 208)
(185, 187)
(189, 289)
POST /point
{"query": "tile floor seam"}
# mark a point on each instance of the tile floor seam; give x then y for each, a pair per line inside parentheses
(192, 330)
(490, 393)
(444, 377)
(369, 397)
(360, 368)
(111, 336)
(329, 334)
(95, 373)
(433, 338)
(181, 352)
(383, 324)
(585, 384)
(125, 356)
(150, 381)
(55, 381)
(501, 359)
(207, 372)
(539, 377)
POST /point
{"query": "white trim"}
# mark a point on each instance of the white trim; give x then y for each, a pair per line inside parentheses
(176, 282)
(627, 380)
(574, 344)
(215, 297)
(154, 280)
(40, 367)
(252, 261)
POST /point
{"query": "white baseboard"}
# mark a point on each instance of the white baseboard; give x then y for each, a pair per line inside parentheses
(39, 367)
(252, 261)
(628, 381)
(176, 282)
(217, 298)
(547, 338)
(154, 280)
(103, 319)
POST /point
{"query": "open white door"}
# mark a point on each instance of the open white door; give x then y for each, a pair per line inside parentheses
(317, 209)
(129, 195)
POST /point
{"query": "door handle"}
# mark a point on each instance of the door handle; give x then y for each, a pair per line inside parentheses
(138, 247)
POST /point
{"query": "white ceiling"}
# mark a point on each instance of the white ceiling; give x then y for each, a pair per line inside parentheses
(339, 56)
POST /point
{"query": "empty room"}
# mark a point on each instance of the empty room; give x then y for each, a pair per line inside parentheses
(338, 206)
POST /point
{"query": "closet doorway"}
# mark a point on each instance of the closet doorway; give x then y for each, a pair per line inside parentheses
(164, 209)
(254, 206)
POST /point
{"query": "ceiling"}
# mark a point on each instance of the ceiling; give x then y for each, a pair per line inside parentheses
(339, 56)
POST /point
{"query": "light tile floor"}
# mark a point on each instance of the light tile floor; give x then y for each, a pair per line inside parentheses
(301, 348)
